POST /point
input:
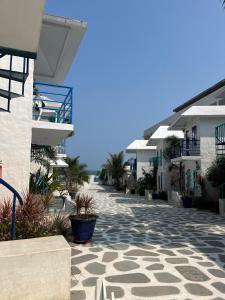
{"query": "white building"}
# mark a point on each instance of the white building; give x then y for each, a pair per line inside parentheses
(159, 139)
(143, 154)
(198, 149)
(197, 119)
(35, 116)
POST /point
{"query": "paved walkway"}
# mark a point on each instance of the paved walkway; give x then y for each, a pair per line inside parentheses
(150, 251)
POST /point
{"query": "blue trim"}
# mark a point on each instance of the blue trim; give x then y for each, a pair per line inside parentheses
(57, 94)
(16, 195)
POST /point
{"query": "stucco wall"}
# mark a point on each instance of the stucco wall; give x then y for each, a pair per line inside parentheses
(207, 143)
(15, 133)
(143, 157)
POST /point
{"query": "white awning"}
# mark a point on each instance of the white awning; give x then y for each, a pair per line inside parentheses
(59, 43)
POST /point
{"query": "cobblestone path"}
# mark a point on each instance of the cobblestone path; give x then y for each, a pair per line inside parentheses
(150, 250)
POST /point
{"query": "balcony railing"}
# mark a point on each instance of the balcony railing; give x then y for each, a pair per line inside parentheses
(61, 148)
(220, 139)
(52, 103)
(186, 148)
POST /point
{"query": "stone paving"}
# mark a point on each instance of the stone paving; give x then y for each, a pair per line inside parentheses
(150, 250)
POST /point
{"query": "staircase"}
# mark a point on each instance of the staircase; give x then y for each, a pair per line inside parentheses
(12, 76)
(16, 196)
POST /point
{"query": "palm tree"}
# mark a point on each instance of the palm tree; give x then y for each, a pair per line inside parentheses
(116, 167)
(43, 155)
(76, 173)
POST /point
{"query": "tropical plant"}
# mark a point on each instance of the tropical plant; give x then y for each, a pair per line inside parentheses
(43, 155)
(84, 204)
(44, 183)
(115, 166)
(76, 173)
(172, 143)
(31, 220)
(216, 172)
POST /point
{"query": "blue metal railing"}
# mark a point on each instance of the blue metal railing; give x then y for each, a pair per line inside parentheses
(186, 148)
(16, 195)
(53, 103)
(220, 139)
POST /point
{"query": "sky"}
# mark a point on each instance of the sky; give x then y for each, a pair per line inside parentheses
(139, 59)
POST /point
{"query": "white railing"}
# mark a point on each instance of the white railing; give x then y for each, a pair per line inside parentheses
(100, 291)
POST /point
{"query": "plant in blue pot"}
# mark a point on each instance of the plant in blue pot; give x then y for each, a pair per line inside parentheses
(83, 220)
(187, 198)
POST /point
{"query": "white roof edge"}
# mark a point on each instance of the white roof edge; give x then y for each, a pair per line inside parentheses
(64, 21)
(163, 132)
(139, 145)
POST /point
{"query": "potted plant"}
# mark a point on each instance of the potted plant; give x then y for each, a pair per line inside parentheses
(141, 186)
(187, 199)
(154, 194)
(84, 220)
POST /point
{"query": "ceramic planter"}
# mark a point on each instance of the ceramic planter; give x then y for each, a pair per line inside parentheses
(187, 202)
(83, 228)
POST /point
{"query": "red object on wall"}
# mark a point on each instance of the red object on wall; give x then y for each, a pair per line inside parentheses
(0, 170)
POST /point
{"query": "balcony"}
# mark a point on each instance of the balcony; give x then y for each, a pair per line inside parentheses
(52, 113)
(220, 139)
(187, 150)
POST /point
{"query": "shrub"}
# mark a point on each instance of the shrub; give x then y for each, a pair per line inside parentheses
(216, 172)
(31, 220)
(206, 204)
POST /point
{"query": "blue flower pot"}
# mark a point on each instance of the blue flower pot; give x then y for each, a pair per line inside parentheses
(154, 196)
(187, 202)
(83, 228)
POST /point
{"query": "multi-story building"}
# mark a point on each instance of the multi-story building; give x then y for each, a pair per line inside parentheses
(196, 121)
(36, 108)
(143, 154)
(159, 139)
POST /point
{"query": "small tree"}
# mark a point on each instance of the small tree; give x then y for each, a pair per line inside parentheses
(76, 173)
(216, 172)
(115, 165)
(172, 144)
(43, 155)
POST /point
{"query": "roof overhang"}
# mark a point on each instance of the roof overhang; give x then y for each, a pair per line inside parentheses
(197, 112)
(20, 28)
(162, 133)
(139, 145)
(59, 42)
(210, 91)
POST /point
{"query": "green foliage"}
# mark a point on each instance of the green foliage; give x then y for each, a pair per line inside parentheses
(206, 204)
(102, 175)
(42, 155)
(43, 183)
(115, 166)
(172, 142)
(216, 172)
(31, 220)
(76, 173)
(147, 182)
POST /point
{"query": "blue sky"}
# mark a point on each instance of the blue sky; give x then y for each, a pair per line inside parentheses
(139, 60)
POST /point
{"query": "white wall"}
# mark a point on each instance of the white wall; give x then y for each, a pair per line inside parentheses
(15, 133)
(207, 143)
(143, 157)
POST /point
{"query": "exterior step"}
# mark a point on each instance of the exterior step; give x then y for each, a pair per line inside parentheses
(8, 95)
(14, 75)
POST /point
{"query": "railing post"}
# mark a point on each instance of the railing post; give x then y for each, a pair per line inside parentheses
(13, 217)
